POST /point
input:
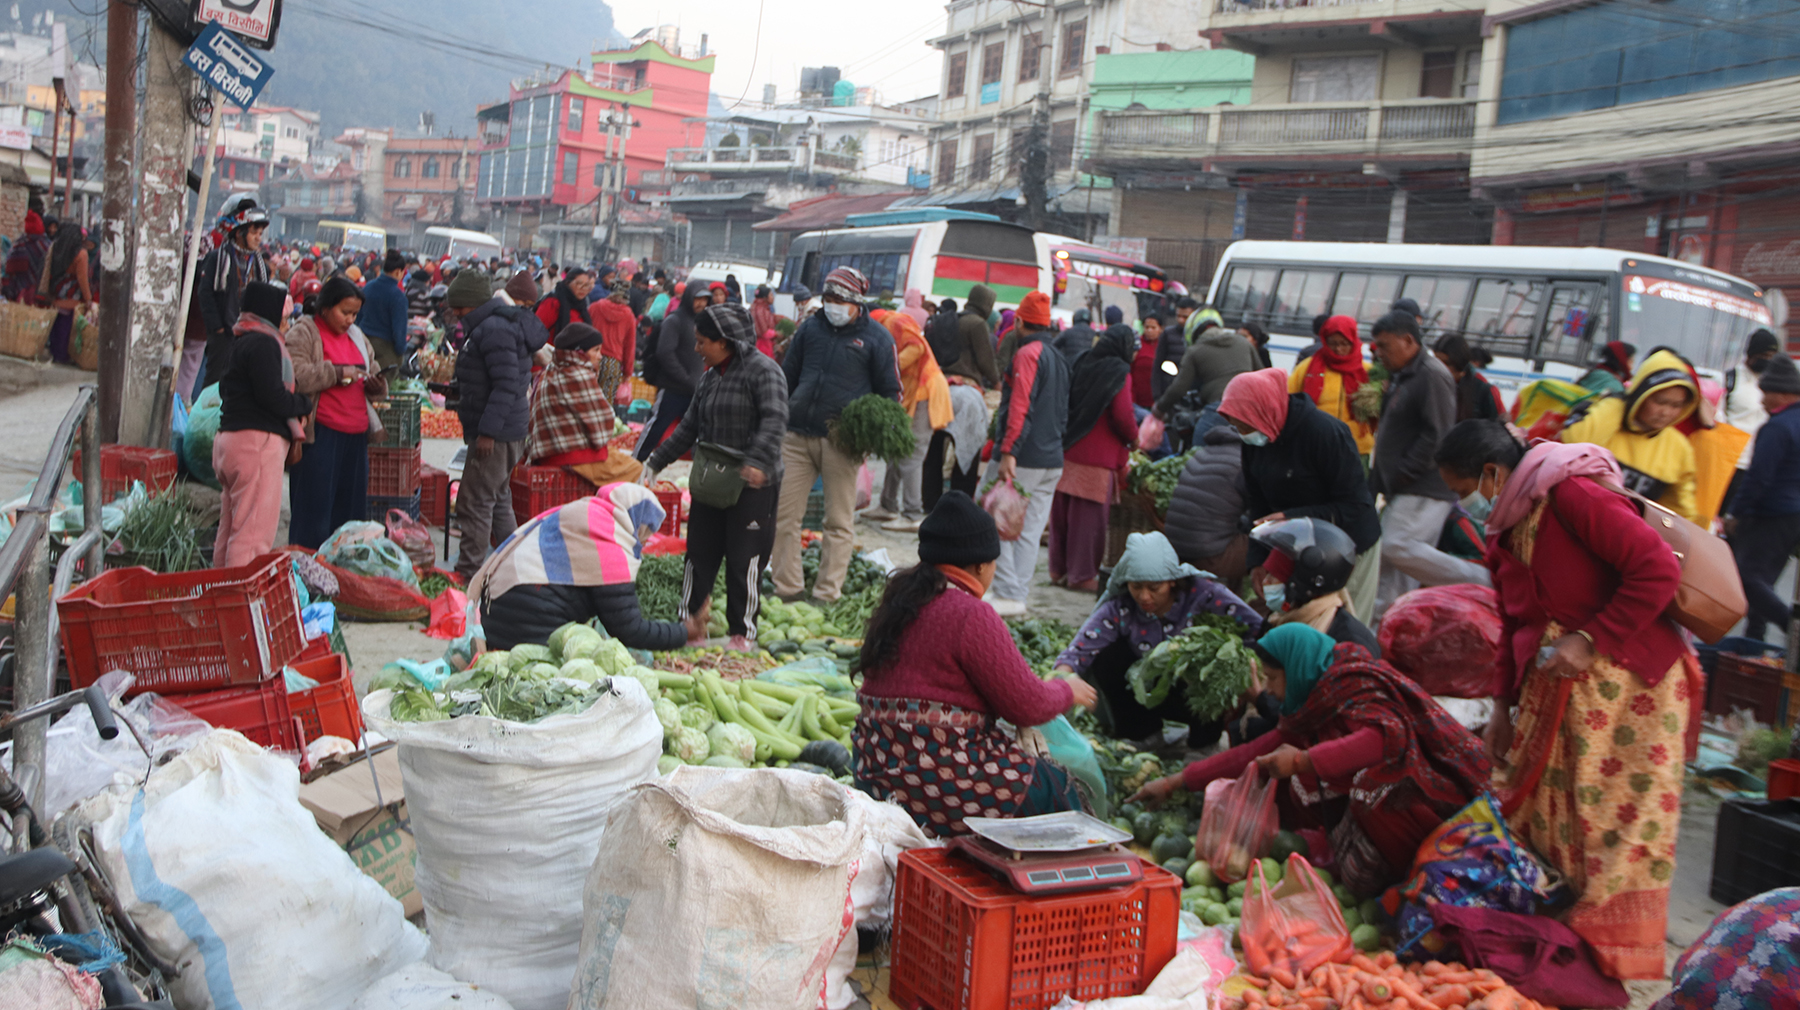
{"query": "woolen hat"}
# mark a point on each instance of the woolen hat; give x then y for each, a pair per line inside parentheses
(1761, 342)
(847, 283)
(1113, 315)
(266, 301)
(958, 532)
(620, 287)
(1781, 376)
(1034, 309)
(578, 336)
(523, 289)
(469, 289)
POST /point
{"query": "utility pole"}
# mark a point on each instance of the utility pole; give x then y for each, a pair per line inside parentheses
(161, 240)
(1034, 173)
(115, 235)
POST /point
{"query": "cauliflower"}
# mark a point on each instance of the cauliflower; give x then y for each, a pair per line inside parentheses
(1141, 769)
(669, 714)
(667, 764)
(732, 740)
(689, 744)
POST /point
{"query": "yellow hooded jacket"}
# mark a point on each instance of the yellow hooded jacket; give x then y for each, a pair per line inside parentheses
(1657, 464)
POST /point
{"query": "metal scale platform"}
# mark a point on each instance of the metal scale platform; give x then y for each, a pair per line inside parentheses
(1051, 854)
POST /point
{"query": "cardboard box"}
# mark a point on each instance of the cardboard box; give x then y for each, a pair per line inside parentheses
(373, 828)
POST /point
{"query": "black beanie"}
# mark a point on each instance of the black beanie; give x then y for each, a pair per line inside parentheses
(1761, 342)
(1780, 377)
(265, 301)
(577, 337)
(958, 532)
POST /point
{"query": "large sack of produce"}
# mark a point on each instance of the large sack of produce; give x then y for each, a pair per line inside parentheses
(1446, 638)
(721, 888)
(507, 817)
(232, 881)
(422, 987)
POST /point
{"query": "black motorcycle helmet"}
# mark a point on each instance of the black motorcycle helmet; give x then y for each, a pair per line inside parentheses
(1323, 556)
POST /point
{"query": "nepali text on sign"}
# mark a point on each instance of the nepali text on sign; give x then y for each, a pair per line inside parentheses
(226, 64)
(252, 18)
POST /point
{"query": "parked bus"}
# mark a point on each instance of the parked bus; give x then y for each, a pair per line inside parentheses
(941, 256)
(1541, 311)
(1103, 269)
(351, 235)
(458, 244)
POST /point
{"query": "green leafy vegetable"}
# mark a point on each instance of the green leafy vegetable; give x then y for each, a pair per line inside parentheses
(1157, 479)
(874, 425)
(1208, 662)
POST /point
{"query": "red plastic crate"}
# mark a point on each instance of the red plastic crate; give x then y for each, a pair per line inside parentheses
(965, 941)
(674, 515)
(1759, 684)
(1784, 779)
(538, 489)
(122, 464)
(393, 472)
(193, 631)
(316, 648)
(434, 495)
(329, 709)
(262, 713)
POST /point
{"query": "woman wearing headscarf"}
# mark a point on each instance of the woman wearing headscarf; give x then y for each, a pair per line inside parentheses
(1333, 375)
(1474, 396)
(220, 280)
(1589, 771)
(612, 316)
(926, 396)
(64, 285)
(334, 364)
(927, 737)
(1151, 597)
(1300, 462)
(915, 307)
(571, 414)
(1641, 429)
(576, 563)
(259, 423)
(1610, 374)
(25, 261)
(1259, 338)
(1352, 726)
(1097, 441)
(1146, 381)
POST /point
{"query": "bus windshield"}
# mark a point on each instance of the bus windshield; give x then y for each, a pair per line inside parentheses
(1708, 326)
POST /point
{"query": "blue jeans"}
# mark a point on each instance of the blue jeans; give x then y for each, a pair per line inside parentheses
(328, 487)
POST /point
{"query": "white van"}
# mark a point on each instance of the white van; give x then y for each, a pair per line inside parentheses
(459, 244)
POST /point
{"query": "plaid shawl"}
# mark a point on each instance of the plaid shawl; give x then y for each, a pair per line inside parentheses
(1421, 744)
(570, 411)
(588, 542)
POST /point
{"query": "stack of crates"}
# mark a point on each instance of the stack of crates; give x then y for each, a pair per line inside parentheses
(394, 463)
(434, 496)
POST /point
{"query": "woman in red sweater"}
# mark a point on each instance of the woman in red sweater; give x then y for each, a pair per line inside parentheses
(1097, 443)
(1353, 726)
(939, 667)
(1589, 769)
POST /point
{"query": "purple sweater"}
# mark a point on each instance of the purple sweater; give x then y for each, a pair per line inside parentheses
(1119, 617)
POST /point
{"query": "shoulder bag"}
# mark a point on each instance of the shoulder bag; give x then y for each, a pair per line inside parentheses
(715, 479)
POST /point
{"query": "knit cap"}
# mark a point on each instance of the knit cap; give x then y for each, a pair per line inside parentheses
(1034, 309)
(577, 336)
(523, 289)
(468, 289)
(269, 301)
(1781, 376)
(847, 283)
(958, 532)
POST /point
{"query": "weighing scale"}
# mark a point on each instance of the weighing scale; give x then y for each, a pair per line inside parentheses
(1051, 854)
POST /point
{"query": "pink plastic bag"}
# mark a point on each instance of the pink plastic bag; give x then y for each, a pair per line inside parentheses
(1150, 432)
(447, 617)
(1006, 504)
(1236, 824)
(413, 538)
(1446, 638)
(865, 487)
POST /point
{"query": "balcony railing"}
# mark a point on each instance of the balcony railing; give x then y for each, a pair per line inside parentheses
(755, 158)
(1247, 6)
(1420, 127)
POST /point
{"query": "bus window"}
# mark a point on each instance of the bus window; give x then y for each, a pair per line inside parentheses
(1441, 301)
(1573, 313)
(1504, 313)
(1365, 297)
(1246, 289)
(1301, 295)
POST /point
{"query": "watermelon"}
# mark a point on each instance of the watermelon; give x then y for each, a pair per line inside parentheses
(1285, 844)
(1167, 847)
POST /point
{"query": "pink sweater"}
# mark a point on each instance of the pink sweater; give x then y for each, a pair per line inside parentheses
(959, 652)
(1334, 760)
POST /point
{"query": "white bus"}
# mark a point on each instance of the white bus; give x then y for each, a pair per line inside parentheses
(458, 244)
(1541, 311)
(942, 257)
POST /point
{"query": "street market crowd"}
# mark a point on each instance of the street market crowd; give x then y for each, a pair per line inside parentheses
(1308, 504)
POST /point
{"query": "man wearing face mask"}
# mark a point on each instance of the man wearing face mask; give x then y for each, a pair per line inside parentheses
(836, 356)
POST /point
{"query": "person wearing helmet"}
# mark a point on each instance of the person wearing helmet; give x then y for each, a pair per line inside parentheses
(1309, 564)
(1151, 597)
(221, 278)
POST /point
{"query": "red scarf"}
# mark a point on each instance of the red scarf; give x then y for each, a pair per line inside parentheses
(1349, 364)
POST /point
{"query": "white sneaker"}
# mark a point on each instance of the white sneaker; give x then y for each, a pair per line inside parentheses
(877, 514)
(902, 525)
(1005, 607)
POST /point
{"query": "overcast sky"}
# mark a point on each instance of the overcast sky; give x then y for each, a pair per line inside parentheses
(880, 43)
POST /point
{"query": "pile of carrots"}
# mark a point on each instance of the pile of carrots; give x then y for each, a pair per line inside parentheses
(1295, 951)
(1381, 983)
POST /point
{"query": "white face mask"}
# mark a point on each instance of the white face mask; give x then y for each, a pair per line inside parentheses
(839, 315)
(1478, 505)
(1256, 438)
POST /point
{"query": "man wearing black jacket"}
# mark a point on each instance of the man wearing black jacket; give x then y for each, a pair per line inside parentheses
(674, 368)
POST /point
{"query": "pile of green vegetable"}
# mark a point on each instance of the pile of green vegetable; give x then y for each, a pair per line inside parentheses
(1158, 478)
(874, 425)
(162, 533)
(1040, 641)
(1218, 905)
(785, 718)
(525, 684)
(1208, 660)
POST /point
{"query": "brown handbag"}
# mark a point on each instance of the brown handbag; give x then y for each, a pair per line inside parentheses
(1710, 600)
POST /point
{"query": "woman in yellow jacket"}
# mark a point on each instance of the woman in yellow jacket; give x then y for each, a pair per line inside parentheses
(1330, 377)
(926, 396)
(1640, 430)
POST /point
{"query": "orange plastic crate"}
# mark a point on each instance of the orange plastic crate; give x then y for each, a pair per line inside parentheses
(261, 713)
(329, 709)
(538, 489)
(193, 631)
(965, 941)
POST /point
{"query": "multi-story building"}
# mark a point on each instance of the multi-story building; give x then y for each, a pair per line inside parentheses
(429, 181)
(1662, 128)
(303, 195)
(275, 134)
(1002, 61)
(558, 144)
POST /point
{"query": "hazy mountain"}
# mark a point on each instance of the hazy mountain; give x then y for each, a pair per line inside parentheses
(382, 62)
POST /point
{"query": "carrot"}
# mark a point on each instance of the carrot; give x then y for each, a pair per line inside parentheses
(1377, 991)
(1256, 958)
(1386, 959)
(1253, 997)
(1362, 962)
(1451, 994)
(1318, 1003)
(1284, 977)
(1257, 982)
(1456, 978)
(1277, 995)
(1310, 960)
(1435, 968)
(1303, 927)
(1402, 990)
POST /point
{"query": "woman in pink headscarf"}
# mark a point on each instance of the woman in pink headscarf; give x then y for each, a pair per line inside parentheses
(915, 307)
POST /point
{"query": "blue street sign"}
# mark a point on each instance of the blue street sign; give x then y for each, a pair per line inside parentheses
(228, 66)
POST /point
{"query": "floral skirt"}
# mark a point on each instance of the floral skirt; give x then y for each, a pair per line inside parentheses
(941, 762)
(1593, 784)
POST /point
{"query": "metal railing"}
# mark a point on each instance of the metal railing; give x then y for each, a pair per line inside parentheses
(25, 573)
(1286, 126)
(1154, 129)
(1443, 125)
(1448, 121)
(705, 159)
(1249, 6)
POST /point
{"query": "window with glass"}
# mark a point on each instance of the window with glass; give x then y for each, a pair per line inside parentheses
(1074, 47)
(1504, 313)
(946, 166)
(1364, 297)
(1030, 60)
(1062, 144)
(1301, 295)
(1441, 301)
(402, 168)
(1247, 291)
(956, 75)
(1573, 314)
(571, 164)
(993, 58)
(576, 108)
(981, 157)
(1335, 79)
(429, 170)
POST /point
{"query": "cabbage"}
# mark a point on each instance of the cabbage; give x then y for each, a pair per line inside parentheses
(731, 740)
(528, 653)
(645, 676)
(583, 670)
(490, 663)
(669, 714)
(697, 716)
(667, 764)
(561, 635)
(689, 744)
(538, 671)
(583, 643)
(613, 657)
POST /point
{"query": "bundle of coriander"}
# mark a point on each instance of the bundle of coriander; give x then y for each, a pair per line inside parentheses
(876, 426)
